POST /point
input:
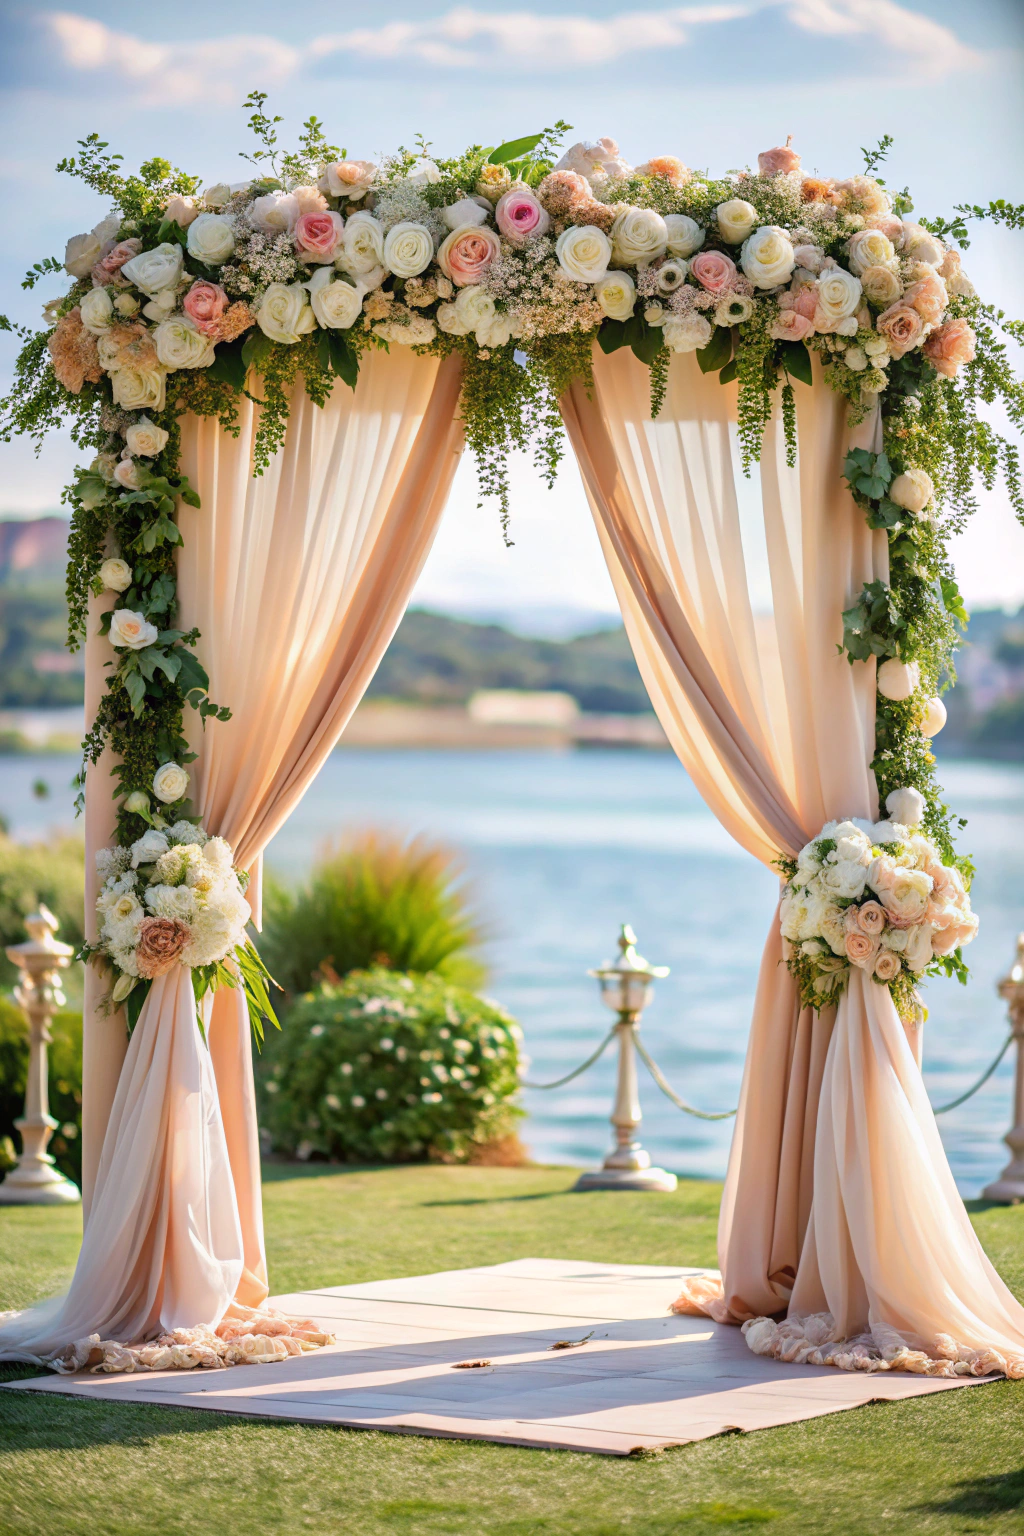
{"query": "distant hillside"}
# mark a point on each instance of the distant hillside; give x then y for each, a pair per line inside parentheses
(437, 660)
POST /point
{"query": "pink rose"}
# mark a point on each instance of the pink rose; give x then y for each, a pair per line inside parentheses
(161, 941)
(205, 303)
(318, 236)
(902, 328)
(928, 297)
(778, 161)
(861, 950)
(950, 346)
(791, 325)
(803, 299)
(519, 215)
(713, 270)
(871, 918)
(108, 269)
(467, 253)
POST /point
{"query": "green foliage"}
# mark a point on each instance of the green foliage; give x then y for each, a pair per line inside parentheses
(30, 873)
(389, 1067)
(376, 901)
(65, 1085)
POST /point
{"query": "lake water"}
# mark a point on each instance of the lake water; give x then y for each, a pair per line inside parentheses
(561, 849)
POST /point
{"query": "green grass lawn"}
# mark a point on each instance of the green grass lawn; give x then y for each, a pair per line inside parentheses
(951, 1463)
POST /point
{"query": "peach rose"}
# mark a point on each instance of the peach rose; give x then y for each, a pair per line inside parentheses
(350, 178)
(888, 966)
(950, 346)
(467, 253)
(803, 299)
(861, 950)
(928, 297)
(871, 917)
(881, 285)
(181, 211)
(318, 236)
(108, 269)
(778, 161)
(890, 226)
(205, 303)
(791, 325)
(560, 191)
(713, 270)
(161, 941)
(902, 328)
(817, 189)
(309, 199)
(668, 168)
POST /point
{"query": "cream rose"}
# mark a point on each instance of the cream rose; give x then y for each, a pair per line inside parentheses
(275, 213)
(870, 248)
(736, 220)
(934, 717)
(639, 236)
(616, 294)
(336, 304)
(912, 490)
(285, 315)
(423, 173)
(448, 319)
(686, 333)
(156, 270)
(145, 439)
(363, 243)
(897, 680)
(350, 178)
(583, 252)
(131, 631)
(116, 575)
(170, 783)
(683, 235)
(919, 244)
(838, 296)
(139, 389)
(181, 344)
(888, 966)
(881, 285)
(918, 953)
(408, 248)
(97, 311)
(126, 474)
(767, 257)
(474, 309)
(211, 239)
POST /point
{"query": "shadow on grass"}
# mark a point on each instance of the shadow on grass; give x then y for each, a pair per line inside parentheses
(981, 1496)
(543, 1194)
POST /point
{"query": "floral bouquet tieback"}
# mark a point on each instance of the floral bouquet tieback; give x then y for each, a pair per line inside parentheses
(876, 895)
(172, 898)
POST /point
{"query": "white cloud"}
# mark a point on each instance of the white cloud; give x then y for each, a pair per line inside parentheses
(463, 38)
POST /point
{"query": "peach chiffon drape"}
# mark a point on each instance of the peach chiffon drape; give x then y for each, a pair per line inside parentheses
(838, 1195)
(297, 581)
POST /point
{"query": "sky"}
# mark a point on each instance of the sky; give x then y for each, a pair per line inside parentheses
(712, 83)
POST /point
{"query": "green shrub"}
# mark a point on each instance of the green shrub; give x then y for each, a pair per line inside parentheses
(53, 873)
(383, 1067)
(65, 1057)
(376, 901)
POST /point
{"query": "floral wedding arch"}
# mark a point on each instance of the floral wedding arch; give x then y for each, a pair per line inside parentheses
(276, 377)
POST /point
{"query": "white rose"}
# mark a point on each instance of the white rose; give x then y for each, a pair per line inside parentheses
(919, 244)
(336, 304)
(466, 211)
(408, 248)
(107, 228)
(583, 252)
(448, 318)
(275, 213)
(145, 439)
(81, 254)
(423, 173)
(116, 575)
(97, 311)
(126, 474)
(856, 359)
(686, 333)
(918, 952)
(211, 239)
(905, 806)
(767, 257)
(736, 220)
(655, 314)
(284, 314)
(838, 299)
(683, 235)
(474, 309)
(170, 783)
(870, 248)
(897, 680)
(912, 490)
(130, 630)
(364, 243)
(616, 294)
(139, 389)
(156, 270)
(181, 344)
(217, 195)
(495, 333)
(639, 236)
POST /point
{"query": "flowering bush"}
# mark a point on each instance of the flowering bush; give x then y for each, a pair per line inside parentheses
(877, 896)
(393, 1068)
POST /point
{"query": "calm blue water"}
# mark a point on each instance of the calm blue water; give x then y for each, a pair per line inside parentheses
(560, 849)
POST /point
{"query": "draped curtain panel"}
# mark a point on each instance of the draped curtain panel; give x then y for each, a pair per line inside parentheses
(297, 581)
(835, 1157)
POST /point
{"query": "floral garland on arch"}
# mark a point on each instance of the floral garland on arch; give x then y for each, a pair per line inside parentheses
(183, 299)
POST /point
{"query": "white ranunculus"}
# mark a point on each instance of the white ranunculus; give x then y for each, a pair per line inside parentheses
(686, 333)
(583, 252)
(97, 311)
(767, 257)
(181, 344)
(616, 294)
(156, 270)
(408, 248)
(466, 211)
(683, 235)
(284, 313)
(897, 680)
(736, 219)
(275, 213)
(363, 243)
(170, 783)
(116, 575)
(139, 389)
(870, 248)
(912, 490)
(919, 244)
(639, 236)
(335, 303)
(211, 239)
(905, 806)
(423, 173)
(474, 308)
(132, 631)
(81, 254)
(448, 318)
(145, 439)
(839, 295)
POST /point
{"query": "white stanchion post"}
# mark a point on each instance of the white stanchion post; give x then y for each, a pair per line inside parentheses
(1009, 1187)
(34, 1180)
